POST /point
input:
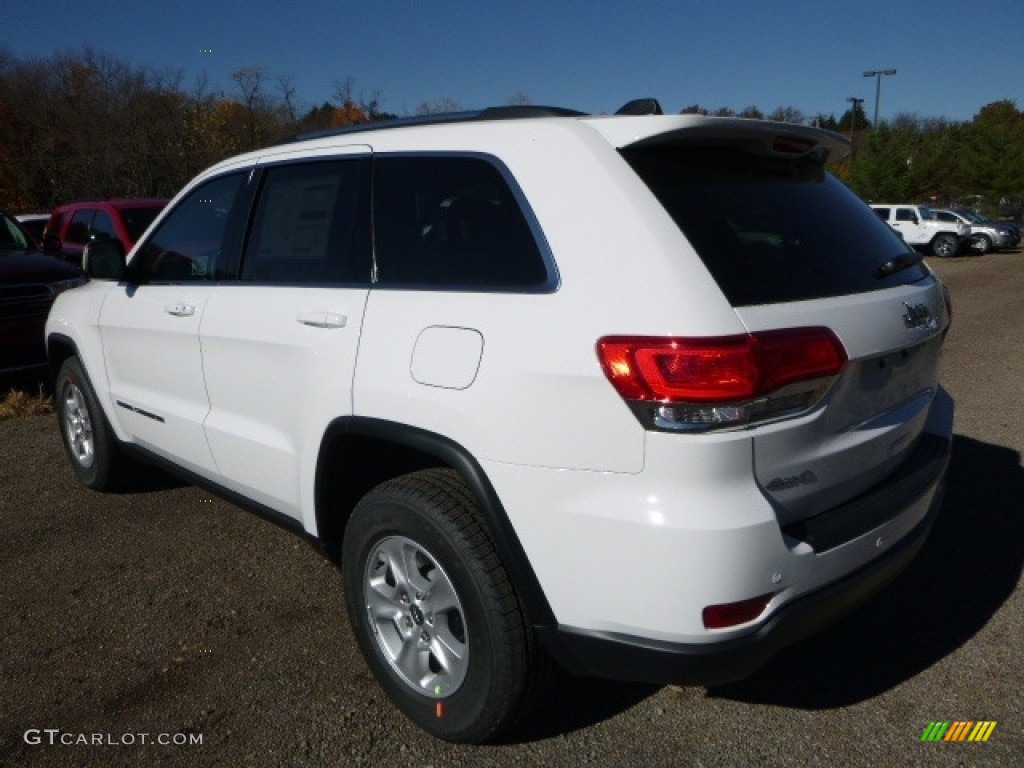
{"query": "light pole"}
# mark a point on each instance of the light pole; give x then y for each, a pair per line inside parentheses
(877, 74)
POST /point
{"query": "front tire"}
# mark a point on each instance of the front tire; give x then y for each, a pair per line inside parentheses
(89, 442)
(434, 611)
(979, 245)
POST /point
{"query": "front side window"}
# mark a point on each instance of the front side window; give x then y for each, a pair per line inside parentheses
(80, 226)
(771, 230)
(312, 224)
(451, 222)
(12, 238)
(192, 242)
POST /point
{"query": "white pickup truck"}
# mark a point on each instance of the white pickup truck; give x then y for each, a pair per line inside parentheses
(921, 228)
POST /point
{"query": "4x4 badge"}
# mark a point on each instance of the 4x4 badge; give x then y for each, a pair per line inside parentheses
(919, 316)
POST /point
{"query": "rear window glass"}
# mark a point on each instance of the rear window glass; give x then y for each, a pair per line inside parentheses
(771, 230)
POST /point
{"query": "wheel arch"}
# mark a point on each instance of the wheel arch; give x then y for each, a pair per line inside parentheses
(358, 453)
(59, 347)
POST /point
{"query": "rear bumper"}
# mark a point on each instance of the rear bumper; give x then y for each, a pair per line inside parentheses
(623, 657)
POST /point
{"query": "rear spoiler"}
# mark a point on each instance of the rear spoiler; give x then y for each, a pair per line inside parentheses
(761, 137)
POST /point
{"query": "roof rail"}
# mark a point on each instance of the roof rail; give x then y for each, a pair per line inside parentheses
(490, 113)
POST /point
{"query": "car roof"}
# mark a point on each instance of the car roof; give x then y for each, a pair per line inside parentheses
(117, 202)
(763, 137)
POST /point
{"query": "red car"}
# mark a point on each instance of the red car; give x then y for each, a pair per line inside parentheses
(73, 225)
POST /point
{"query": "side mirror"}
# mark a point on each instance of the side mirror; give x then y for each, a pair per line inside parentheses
(104, 259)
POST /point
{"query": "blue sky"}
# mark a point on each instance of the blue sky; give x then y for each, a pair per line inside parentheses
(951, 58)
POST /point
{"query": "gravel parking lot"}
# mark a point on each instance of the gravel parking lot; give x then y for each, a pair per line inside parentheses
(165, 626)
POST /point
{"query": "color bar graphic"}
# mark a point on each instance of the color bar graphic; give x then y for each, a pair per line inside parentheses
(958, 730)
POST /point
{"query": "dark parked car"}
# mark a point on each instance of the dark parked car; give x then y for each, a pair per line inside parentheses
(34, 224)
(29, 282)
(73, 225)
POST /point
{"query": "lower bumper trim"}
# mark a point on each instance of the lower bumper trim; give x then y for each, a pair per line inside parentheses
(622, 657)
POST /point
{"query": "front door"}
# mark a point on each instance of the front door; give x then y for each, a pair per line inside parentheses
(150, 327)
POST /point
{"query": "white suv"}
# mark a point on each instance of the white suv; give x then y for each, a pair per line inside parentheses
(921, 228)
(652, 396)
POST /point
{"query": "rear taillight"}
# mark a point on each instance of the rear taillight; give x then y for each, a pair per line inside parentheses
(719, 382)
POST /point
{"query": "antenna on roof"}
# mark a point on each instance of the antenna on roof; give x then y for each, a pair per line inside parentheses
(641, 107)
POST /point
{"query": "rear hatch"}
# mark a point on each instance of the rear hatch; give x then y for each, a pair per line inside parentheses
(791, 247)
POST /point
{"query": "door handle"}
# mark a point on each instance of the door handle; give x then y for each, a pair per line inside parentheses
(180, 310)
(322, 319)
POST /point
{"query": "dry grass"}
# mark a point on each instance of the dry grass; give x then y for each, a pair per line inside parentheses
(18, 404)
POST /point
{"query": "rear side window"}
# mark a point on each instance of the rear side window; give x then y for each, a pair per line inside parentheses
(311, 225)
(451, 222)
(771, 230)
(103, 225)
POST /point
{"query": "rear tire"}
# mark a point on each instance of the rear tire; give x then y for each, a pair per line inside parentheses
(435, 613)
(89, 442)
(945, 245)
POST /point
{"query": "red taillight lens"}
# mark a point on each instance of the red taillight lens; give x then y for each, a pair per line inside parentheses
(732, 614)
(797, 354)
(698, 370)
(792, 145)
(719, 369)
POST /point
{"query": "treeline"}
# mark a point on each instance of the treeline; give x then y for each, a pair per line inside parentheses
(89, 125)
(978, 163)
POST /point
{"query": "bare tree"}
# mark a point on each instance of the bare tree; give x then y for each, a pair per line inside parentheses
(788, 115)
(250, 81)
(519, 99)
(437, 107)
(286, 87)
(344, 89)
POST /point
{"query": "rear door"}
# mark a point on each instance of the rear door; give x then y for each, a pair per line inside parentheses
(279, 344)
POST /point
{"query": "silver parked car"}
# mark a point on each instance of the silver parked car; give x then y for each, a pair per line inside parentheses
(986, 234)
